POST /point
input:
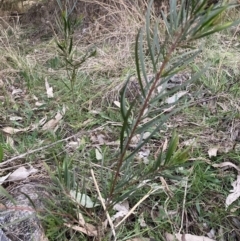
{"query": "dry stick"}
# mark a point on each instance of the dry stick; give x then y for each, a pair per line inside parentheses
(50, 145)
(37, 150)
(184, 204)
(136, 205)
(103, 205)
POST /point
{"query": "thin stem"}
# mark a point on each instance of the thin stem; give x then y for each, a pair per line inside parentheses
(144, 106)
(73, 80)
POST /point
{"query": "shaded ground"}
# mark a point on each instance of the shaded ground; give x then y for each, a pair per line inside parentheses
(99, 17)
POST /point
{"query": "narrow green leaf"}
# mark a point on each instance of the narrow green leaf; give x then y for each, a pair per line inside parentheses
(128, 177)
(69, 25)
(188, 8)
(172, 147)
(156, 46)
(207, 20)
(70, 45)
(198, 8)
(73, 6)
(29, 199)
(142, 63)
(148, 33)
(158, 122)
(167, 25)
(90, 53)
(216, 29)
(181, 14)
(157, 163)
(3, 192)
(123, 194)
(59, 2)
(181, 62)
(125, 114)
(156, 38)
(173, 15)
(126, 128)
(179, 157)
(201, 20)
(66, 85)
(1, 153)
(137, 62)
(65, 24)
(60, 46)
(66, 174)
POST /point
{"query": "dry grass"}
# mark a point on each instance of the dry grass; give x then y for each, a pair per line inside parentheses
(114, 35)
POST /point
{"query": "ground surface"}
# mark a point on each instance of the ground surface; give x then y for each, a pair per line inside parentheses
(67, 136)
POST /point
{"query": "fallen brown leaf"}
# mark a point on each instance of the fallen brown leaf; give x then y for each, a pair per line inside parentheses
(15, 118)
(186, 237)
(21, 173)
(11, 130)
(235, 193)
(122, 210)
(89, 229)
(48, 89)
(175, 97)
(227, 164)
(52, 124)
(10, 141)
(139, 239)
(212, 151)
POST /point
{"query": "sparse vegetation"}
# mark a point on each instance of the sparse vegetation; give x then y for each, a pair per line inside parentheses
(67, 25)
(146, 141)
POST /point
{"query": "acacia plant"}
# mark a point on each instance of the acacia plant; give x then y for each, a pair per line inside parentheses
(67, 24)
(158, 57)
(184, 25)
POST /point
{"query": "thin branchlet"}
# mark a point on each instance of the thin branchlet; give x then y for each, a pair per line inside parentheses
(144, 106)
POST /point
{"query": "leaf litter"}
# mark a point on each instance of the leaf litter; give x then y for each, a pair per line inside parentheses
(20, 174)
(15, 118)
(98, 154)
(49, 89)
(86, 232)
(53, 123)
(84, 227)
(175, 97)
(88, 229)
(186, 237)
(141, 221)
(140, 239)
(212, 152)
(122, 210)
(12, 131)
(235, 192)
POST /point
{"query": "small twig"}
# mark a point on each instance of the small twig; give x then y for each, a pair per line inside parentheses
(202, 100)
(50, 145)
(184, 204)
(38, 149)
(136, 205)
(103, 205)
